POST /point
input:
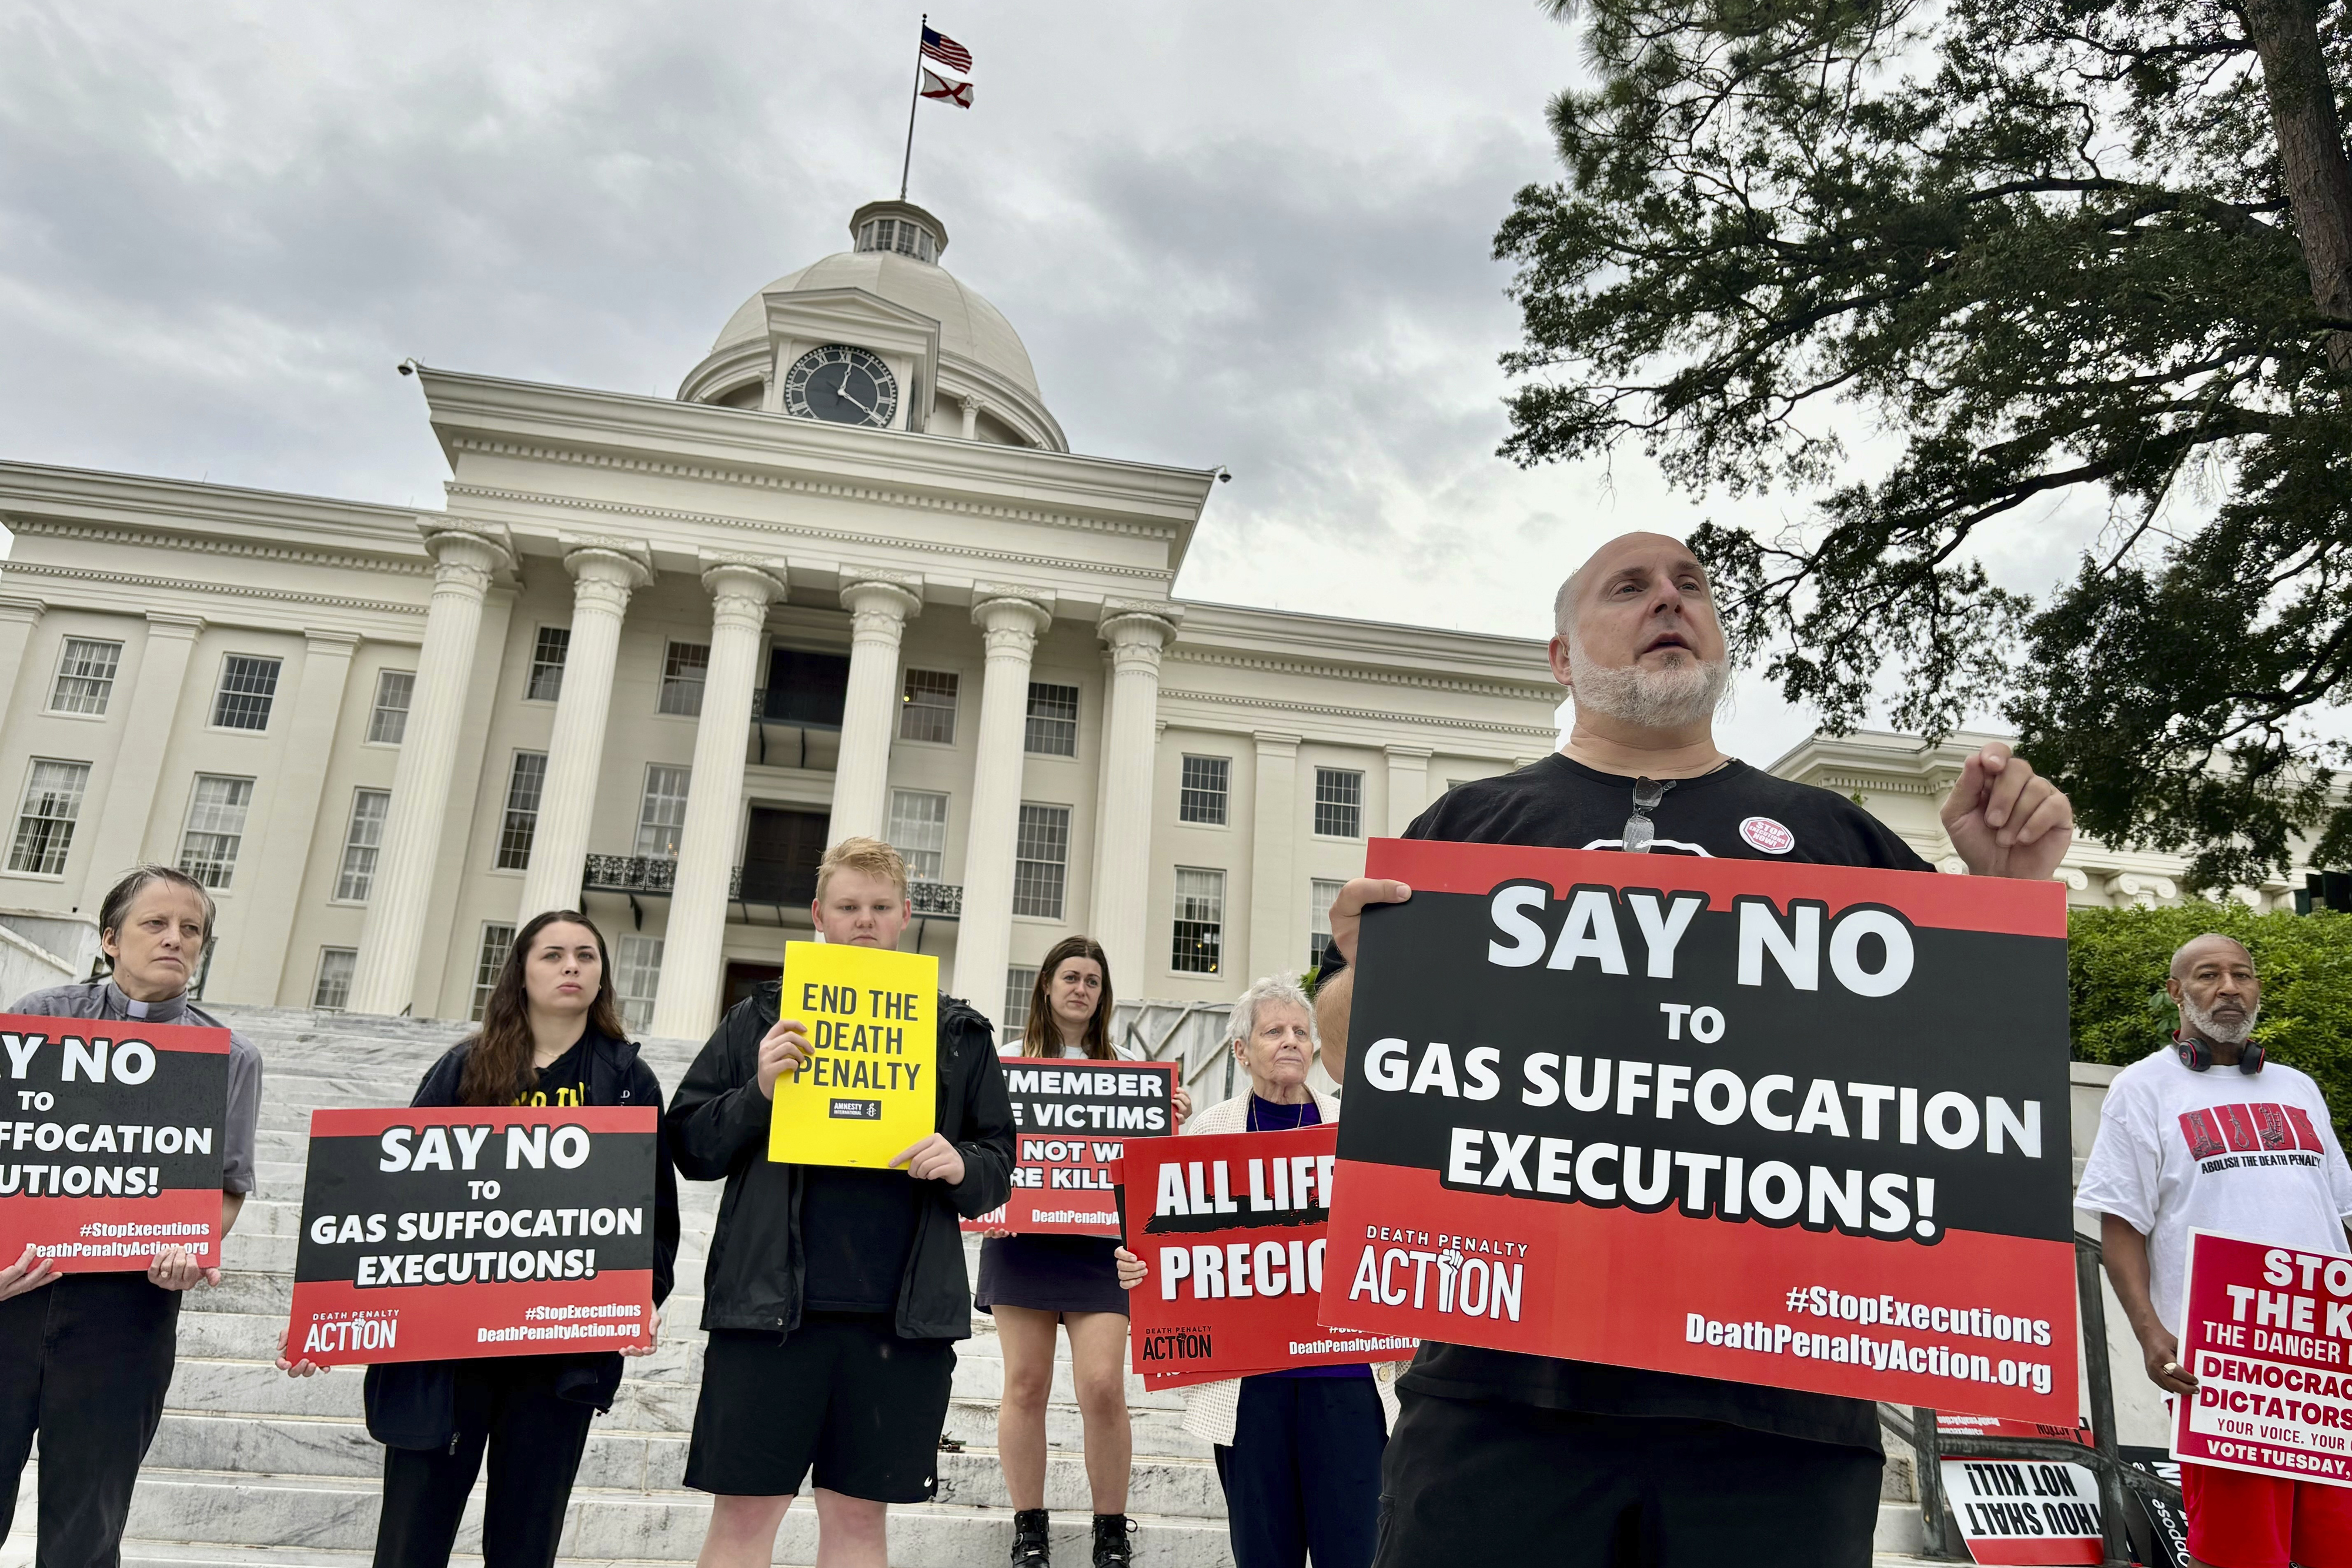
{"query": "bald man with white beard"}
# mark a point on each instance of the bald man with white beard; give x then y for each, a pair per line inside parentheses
(1506, 1458)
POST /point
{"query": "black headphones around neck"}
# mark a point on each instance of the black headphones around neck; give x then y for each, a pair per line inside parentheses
(2198, 1057)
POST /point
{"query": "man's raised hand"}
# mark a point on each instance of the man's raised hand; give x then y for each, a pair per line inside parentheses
(783, 1049)
(934, 1159)
(1348, 909)
(2004, 818)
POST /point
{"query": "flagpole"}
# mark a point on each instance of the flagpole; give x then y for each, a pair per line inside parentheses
(913, 99)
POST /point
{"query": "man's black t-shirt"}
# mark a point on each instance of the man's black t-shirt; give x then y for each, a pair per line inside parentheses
(1739, 812)
(857, 1226)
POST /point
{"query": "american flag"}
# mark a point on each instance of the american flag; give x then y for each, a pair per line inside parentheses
(946, 50)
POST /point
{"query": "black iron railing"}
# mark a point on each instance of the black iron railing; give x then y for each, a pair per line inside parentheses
(794, 717)
(2117, 1479)
(655, 875)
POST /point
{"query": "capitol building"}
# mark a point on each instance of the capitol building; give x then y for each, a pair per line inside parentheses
(651, 655)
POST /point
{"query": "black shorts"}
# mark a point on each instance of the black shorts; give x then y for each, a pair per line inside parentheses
(1474, 1481)
(843, 1395)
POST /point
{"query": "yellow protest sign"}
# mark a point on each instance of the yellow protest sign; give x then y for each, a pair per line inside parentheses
(867, 1091)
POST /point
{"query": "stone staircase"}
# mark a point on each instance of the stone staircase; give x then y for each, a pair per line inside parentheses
(253, 1467)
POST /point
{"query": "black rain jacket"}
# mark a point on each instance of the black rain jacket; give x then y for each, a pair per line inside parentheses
(414, 1403)
(757, 1268)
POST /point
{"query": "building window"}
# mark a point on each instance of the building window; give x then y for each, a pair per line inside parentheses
(247, 688)
(85, 677)
(44, 821)
(1019, 981)
(639, 978)
(661, 814)
(1338, 803)
(684, 666)
(497, 938)
(1208, 785)
(524, 781)
(928, 710)
(1200, 921)
(388, 720)
(1041, 860)
(215, 829)
(1053, 720)
(361, 839)
(332, 993)
(1319, 895)
(918, 830)
(547, 664)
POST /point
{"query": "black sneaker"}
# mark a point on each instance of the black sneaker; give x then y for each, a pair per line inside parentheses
(1112, 1548)
(1029, 1547)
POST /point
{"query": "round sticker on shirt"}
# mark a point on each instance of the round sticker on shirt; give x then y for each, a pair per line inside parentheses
(1764, 833)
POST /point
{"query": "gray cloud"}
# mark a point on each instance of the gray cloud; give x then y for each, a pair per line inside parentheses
(1229, 232)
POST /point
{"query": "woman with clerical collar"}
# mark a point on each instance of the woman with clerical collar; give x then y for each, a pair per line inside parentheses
(85, 1358)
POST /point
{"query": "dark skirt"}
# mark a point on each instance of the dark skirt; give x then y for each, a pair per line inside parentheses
(1050, 1274)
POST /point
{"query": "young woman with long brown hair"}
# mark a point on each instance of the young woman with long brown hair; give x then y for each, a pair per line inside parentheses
(552, 1035)
(1033, 1283)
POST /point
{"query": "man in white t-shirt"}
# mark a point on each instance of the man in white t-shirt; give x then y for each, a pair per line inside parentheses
(2161, 1167)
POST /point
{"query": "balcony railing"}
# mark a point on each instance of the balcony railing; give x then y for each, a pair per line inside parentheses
(653, 876)
(782, 724)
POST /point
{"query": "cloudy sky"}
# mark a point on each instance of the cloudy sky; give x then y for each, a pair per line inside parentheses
(1230, 233)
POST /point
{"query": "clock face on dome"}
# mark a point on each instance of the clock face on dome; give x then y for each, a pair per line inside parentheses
(842, 383)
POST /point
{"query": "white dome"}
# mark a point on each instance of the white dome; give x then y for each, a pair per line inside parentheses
(971, 329)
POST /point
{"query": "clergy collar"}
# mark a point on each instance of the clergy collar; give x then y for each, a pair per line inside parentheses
(122, 1006)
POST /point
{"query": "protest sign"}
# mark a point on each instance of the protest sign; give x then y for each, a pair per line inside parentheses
(114, 1141)
(1232, 1227)
(1071, 1123)
(1792, 1125)
(866, 1092)
(1954, 1424)
(2266, 1332)
(2025, 1510)
(434, 1234)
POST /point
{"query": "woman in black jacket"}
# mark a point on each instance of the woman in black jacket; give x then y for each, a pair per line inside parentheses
(552, 1035)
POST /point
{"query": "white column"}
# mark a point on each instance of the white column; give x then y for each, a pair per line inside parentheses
(878, 608)
(384, 978)
(1277, 934)
(602, 581)
(688, 1003)
(1010, 627)
(268, 919)
(18, 618)
(1408, 786)
(1129, 758)
(121, 840)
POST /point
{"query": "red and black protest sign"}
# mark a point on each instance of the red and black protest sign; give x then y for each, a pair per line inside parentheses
(1233, 1229)
(428, 1235)
(1071, 1123)
(1792, 1125)
(110, 1149)
(2267, 1333)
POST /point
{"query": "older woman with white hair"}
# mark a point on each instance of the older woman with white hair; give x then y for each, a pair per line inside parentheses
(1298, 1452)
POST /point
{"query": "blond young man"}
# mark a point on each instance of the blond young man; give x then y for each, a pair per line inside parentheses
(833, 1296)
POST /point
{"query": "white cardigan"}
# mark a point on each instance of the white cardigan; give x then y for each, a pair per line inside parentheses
(1210, 1409)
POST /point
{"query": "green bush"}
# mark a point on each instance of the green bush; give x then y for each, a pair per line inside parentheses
(2115, 961)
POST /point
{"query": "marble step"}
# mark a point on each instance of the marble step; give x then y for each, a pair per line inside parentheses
(265, 1446)
(338, 1514)
(662, 1403)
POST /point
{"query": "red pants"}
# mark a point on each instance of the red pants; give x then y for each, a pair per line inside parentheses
(2238, 1520)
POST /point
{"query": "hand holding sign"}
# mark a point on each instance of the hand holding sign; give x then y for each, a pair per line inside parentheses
(783, 1049)
(29, 1272)
(934, 1159)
